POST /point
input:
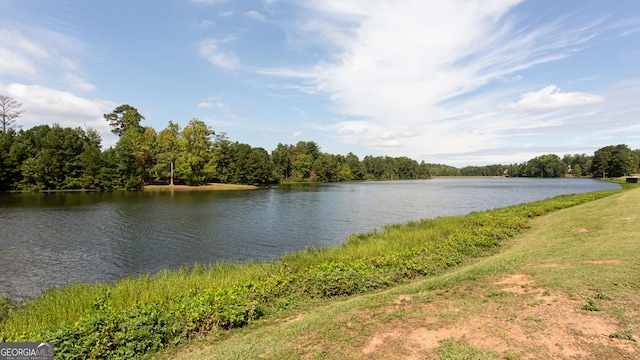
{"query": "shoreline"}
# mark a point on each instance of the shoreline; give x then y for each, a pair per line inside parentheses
(208, 187)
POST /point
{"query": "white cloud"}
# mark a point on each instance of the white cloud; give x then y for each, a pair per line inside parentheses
(14, 39)
(297, 134)
(209, 105)
(209, 2)
(23, 58)
(210, 51)
(19, 56)
(78, 82)
(13, 63)
(207, 23)
(411, 77)
(550, 98)
(44, 105)
(255, 15)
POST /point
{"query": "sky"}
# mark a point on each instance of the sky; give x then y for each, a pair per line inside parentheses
(456, 82)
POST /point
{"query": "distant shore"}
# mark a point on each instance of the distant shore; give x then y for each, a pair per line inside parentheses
(207, 187)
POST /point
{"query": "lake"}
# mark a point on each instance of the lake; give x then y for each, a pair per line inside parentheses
(51, 239)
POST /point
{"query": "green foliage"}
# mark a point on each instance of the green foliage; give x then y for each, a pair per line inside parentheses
(591, 305)
(623, 335)
(546, 166)
(614, 161)
(195, 153)
(6, 306)
(55, 158)
(124, 117)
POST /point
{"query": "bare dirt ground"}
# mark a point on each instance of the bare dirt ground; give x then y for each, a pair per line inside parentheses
(515, 319)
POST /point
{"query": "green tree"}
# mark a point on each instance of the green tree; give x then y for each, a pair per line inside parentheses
(57, 158)
(169, 145)
(282, 158)
(196, 151)
(134, 158)
(222, 157)
(259, 167)
(624, 161)
(90, 159)
(546, 166)
(614, 161)
(9, 167)
(124, 117)
(356, 167)
(579, 163)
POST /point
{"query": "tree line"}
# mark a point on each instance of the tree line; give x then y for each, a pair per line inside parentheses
(54, 157)
(609, 161)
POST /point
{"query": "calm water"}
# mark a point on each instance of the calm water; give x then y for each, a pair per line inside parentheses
(57, 238)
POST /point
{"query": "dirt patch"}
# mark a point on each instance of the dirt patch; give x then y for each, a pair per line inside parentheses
(599, 262)
(517, 284)
(543, 265)
(579, 230)
(403, 299)
(533, 324)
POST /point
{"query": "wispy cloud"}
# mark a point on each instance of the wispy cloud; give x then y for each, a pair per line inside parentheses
(210, 50)
(79, 83)
(209, 2)
(255, 15)
(211, 105)
(207, 23)
(19, 56)
(32, 57)
(412, 77)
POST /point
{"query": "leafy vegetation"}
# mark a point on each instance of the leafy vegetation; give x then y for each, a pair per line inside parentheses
(56, 158)
(609, 161)
(137, 316)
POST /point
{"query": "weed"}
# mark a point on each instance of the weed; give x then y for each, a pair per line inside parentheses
(6, 306)
(602, 296)
(591, 305)
(623, 335)
(499, 293)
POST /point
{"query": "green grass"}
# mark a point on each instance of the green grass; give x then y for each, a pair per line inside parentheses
(226, 300)
(341, 329)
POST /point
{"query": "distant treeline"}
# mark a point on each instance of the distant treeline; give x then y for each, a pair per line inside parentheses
(52, 157)
(55, 158)
(609, 161)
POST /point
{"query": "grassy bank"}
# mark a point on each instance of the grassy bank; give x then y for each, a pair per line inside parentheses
(146, 314)
(567, 288)
(208, 187)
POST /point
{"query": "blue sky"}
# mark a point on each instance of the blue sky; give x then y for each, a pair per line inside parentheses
(455, 82)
